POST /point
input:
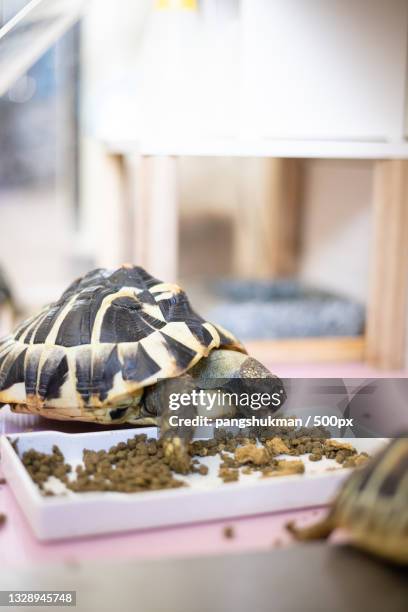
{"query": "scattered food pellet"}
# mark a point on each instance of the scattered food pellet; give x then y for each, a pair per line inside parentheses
(340, 457)
(339, 445)
(250, 453)
(229, 532)
(356, 460)
(2, 481)
(228, 475)
(276, 446)
(3, 519)
(285, 468)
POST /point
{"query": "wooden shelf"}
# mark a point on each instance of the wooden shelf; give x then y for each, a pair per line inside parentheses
(308, 350)
(239, 147)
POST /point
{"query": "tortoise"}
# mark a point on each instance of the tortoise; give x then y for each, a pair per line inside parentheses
(372, 506)
(105, 350)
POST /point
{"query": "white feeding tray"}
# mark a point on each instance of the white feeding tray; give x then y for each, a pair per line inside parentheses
(206, 498)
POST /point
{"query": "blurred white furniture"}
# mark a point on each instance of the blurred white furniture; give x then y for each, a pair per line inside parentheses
(7, 319)
(316, 79)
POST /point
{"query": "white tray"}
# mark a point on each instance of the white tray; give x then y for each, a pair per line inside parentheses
(207, 498)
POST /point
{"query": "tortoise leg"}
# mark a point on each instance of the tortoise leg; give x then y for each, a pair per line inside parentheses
(175, 437)
(318, 531)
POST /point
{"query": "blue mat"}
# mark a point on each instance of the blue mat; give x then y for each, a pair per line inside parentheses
(284, 309)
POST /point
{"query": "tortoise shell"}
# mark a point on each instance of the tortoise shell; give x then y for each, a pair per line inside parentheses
(372, 506)
(109, 335)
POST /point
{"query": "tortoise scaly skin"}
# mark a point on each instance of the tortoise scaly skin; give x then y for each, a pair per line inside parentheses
(112, 334)
(372, 506)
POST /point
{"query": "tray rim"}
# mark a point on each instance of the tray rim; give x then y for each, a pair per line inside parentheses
(92, 496)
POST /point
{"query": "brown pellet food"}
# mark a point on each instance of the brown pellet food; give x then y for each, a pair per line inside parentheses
(228, 475)
(140, 463)
(284, 468)
(339, 445)
(340, 457)
(228, 532)
(41, 466)
(356, 460)
(250, 453)
(137, 465)
(276, 446)
(3, 519)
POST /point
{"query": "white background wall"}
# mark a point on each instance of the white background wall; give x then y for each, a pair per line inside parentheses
(337, 225)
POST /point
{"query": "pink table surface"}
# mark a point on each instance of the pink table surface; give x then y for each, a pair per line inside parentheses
(18, 546)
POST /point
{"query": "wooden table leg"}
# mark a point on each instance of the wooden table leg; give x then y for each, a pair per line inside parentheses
(267, 223)
(104, 215)
(386, 310)
(153, 183)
